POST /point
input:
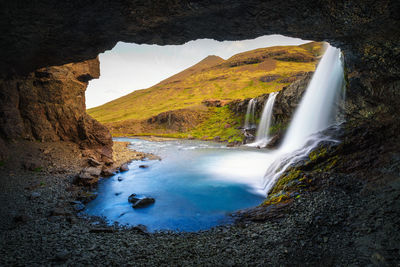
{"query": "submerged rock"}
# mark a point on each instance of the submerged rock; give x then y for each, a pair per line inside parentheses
(140, 201)
(143, 166)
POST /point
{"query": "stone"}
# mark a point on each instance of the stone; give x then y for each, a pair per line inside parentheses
(62, 255)
(140, 201)
(92, 171)
(79, 207)
(34, 195)
(93, 162)
(60, 212)
(108, 172)
(124, 167)
(143, 202)
(120, 179)
(143, 166)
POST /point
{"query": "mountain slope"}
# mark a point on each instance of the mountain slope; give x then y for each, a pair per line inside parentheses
(244, 75)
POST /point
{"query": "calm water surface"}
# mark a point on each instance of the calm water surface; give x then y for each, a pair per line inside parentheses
(196, 185)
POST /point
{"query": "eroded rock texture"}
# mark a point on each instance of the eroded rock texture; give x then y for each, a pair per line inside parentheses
(49, 105)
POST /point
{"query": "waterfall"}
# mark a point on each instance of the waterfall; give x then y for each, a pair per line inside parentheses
(317, 110)
(262, 136)
(249, 119)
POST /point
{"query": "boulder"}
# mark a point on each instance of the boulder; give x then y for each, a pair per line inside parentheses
(120, 179)
(143, 203)
(143, 166)
(124, 167)
(140, 201)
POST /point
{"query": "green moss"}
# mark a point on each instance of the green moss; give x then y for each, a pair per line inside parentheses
(317, 153)
(275, 199)
(2, 163)
(278, 127)
(286, 180)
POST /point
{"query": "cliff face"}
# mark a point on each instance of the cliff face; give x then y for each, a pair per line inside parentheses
(49, 105)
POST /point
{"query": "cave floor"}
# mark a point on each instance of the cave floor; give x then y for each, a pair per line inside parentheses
(347, 221)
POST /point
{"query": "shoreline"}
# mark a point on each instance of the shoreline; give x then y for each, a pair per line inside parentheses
(342, 217)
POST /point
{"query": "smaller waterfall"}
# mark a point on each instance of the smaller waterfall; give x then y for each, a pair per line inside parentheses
(262, 137)
(249, 119)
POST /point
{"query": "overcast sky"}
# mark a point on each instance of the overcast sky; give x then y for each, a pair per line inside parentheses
(129, 67)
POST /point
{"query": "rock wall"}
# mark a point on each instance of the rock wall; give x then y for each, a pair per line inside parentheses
(285, 102)
(49, 105)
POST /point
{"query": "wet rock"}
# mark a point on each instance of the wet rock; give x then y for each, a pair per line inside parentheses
(124, 167)
(78, 207)
(120, 179)
(143, 166)
(108, 172)
(118, 193)
(140, 201)
(140, 228)
(88, 176)
(143, 203)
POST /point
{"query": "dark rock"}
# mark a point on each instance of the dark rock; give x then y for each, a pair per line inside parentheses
(34, 195)
(143, 166)
(140, 201)
(60, 212)
(120, 179)
(143, 202)
(118, 193)
(133, 198)
(102, 230)
(79, 207)
(62, 256)
(124, 167)
(140, 228)
(23, 218)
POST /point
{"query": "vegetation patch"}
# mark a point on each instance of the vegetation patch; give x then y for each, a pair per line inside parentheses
(222, 123)
(2, 163)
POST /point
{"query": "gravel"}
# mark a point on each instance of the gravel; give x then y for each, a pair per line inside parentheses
(347, 221)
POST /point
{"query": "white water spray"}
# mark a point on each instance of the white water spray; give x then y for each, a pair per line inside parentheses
(249, 119)
(262, 136)
(316, 112)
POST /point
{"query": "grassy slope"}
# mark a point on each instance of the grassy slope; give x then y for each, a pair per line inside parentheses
(213, 78)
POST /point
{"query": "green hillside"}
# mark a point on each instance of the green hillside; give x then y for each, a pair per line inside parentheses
(244, 75)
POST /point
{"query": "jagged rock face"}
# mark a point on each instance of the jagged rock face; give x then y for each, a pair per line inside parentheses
(49, 105)
(285, 103)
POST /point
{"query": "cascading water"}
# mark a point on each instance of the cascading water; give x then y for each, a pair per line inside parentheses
(262, 136)
(317, 111)
(249, 119)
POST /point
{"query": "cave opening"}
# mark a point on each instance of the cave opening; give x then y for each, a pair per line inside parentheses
(196, 119)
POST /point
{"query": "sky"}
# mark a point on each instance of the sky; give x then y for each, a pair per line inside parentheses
(129, 67)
